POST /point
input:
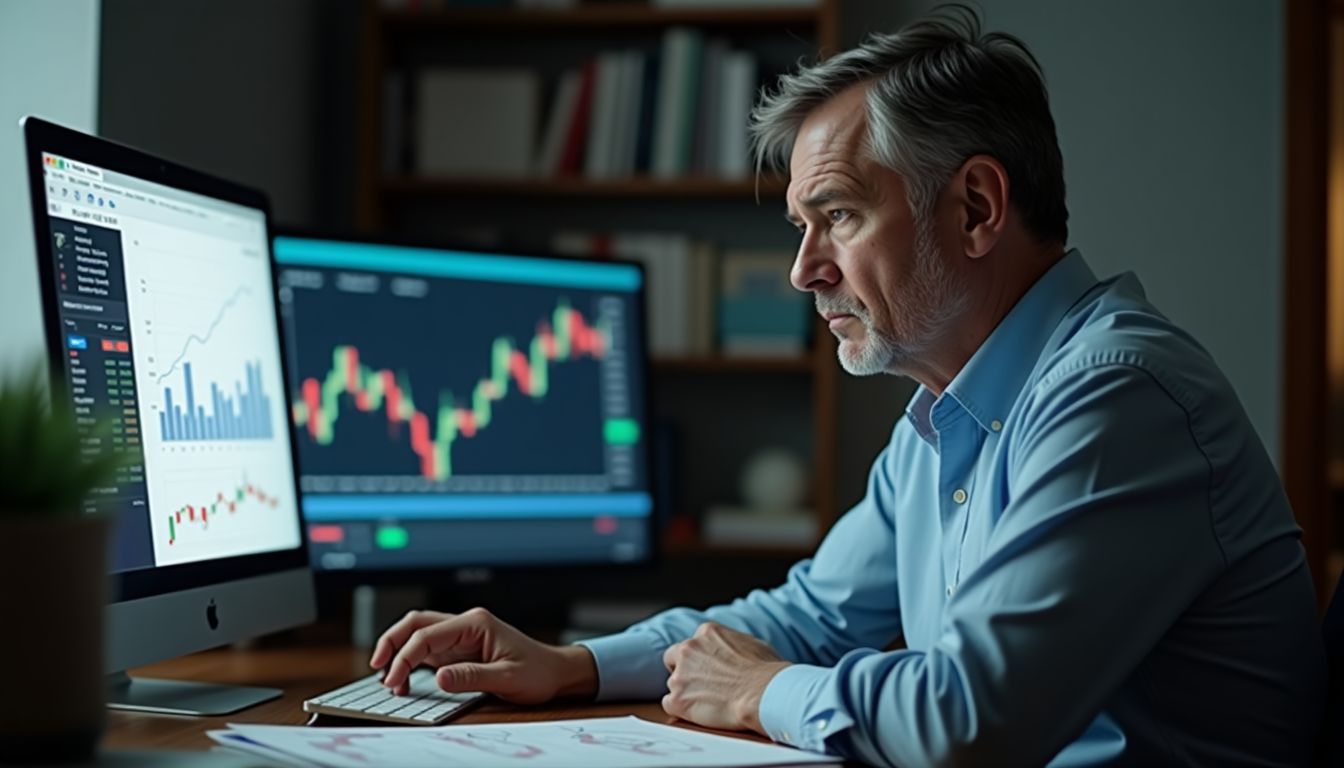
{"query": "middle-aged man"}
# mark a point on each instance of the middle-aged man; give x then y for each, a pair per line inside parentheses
(1074, 529)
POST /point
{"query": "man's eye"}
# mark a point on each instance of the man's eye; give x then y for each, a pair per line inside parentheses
(838, 215)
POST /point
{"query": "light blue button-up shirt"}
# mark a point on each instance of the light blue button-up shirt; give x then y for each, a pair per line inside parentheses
(1083, 545)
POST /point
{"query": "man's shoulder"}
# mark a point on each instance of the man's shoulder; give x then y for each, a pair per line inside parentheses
(1114, 328)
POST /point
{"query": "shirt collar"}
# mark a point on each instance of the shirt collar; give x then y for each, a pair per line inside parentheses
(989, 383)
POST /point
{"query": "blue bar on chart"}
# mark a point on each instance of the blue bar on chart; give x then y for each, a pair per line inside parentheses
(243, 415)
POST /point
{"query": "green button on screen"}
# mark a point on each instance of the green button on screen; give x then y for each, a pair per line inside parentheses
(392, 537)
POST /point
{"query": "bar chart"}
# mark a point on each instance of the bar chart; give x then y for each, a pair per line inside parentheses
(240, 413)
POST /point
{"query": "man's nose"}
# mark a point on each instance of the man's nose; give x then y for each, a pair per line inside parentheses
(814, 267)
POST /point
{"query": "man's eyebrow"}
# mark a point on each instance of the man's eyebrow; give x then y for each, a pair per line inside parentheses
(823, 196)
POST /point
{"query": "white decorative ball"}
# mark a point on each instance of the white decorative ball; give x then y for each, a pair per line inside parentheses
(774, 480)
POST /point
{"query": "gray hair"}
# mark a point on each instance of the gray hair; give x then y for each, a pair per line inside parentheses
(939, 92)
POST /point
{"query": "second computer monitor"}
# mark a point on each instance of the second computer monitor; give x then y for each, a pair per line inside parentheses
(461, 408)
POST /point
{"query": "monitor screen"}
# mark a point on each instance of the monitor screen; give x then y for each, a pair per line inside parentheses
(164, 301)
(461, 408)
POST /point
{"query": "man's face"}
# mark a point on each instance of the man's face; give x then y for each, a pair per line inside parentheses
(877, 273)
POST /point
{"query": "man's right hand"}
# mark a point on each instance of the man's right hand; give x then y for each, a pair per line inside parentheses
(474, 651)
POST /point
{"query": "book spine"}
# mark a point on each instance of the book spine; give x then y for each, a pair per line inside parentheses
(648, 105)
(688, 101)
(738, 93)
(562, 115)
(597, 163)
(670, 86)
(572, 155)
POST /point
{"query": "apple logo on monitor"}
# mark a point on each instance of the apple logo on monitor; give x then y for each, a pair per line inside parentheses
(212, 615)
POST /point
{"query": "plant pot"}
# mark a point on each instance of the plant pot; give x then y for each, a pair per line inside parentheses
(53, 592)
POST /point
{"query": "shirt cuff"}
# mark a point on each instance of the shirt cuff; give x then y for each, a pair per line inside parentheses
(629, 665)
(795, 712)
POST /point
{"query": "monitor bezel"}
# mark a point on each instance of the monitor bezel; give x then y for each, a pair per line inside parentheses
(471, 573)
(42, 136)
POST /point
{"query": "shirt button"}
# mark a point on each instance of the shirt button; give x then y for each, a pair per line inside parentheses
(959, 496)
(951, 590)
(996, 425)
(821, 724)
(786, 737)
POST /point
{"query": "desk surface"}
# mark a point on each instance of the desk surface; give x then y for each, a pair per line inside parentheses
(302, 673)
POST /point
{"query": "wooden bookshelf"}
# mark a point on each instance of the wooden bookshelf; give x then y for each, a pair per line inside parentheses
(399, 40)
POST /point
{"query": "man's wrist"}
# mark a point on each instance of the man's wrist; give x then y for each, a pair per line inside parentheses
(750, 716)
(578, 672)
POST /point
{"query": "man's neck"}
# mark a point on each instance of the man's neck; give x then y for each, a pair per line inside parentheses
(997, 283)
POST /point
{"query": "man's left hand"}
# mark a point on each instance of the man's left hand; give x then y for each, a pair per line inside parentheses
(717, 677)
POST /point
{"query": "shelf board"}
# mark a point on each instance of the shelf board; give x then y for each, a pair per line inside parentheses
(719, 364)
(597, 16)
(643, 187)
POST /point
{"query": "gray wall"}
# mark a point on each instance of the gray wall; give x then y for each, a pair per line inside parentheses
(1170, 120)
(49, 54)
(227, 87)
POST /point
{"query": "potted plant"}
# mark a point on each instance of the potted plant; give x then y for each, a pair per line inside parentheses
(52, 576)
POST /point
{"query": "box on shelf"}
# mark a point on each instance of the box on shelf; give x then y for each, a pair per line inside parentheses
(760, 312)
(476, 122)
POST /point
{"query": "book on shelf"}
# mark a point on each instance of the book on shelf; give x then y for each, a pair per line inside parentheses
(678, 84)
(626, 108)
(648, 103)
(760, 313)
(704, 145)
(566, 100)
(738, 81)
(392, 151)
(571, 155)
(476, 122)
(599, 157)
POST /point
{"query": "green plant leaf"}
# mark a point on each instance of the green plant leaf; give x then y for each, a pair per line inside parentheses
(49, 462)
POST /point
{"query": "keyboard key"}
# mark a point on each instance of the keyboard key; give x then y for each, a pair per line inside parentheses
(341, 692)
(392, 705)
(436, 712)
(368, 700)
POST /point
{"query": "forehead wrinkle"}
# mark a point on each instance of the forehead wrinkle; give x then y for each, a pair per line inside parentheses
(830, 180)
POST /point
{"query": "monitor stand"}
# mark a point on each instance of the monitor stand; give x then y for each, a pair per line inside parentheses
(178, 697)
(374, 609)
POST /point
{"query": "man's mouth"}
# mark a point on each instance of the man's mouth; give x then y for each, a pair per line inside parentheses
(836, 318)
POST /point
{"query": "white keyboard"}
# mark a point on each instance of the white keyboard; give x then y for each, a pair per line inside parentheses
(367, 698)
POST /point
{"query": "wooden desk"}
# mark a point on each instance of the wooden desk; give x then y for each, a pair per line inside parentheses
(304, 672)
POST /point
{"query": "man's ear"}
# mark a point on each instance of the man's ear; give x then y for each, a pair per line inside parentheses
(981, 195)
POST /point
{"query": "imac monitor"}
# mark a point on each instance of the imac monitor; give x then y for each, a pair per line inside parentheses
(159, 300)
(462, 408)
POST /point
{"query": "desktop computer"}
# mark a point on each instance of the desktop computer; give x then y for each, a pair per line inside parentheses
(465, 409)
(158, 293)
